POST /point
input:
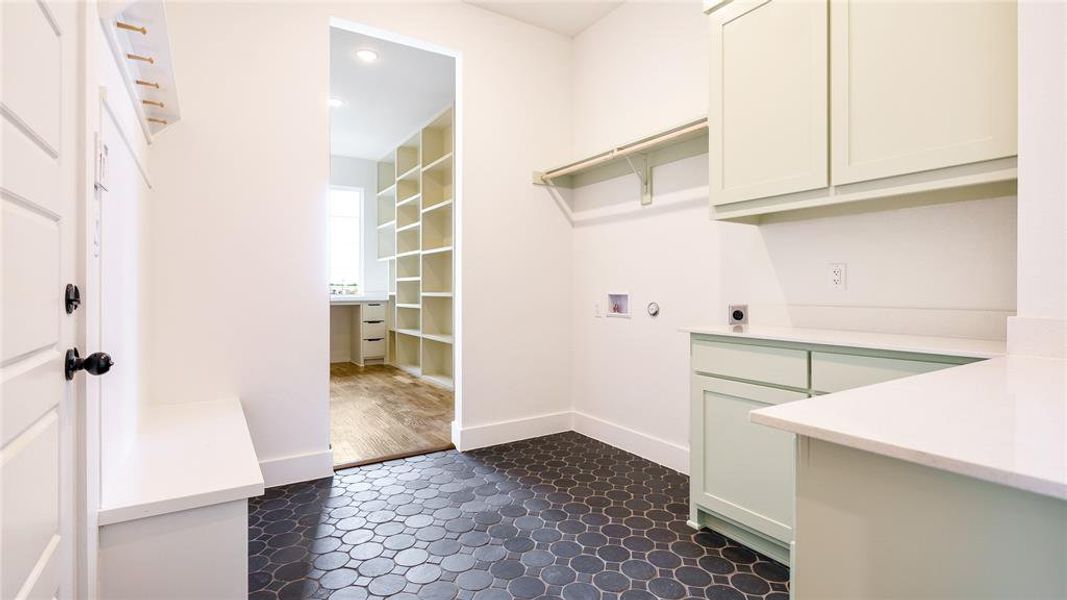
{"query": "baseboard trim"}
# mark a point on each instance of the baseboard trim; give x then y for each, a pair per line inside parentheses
(296, 468)
(646, 446)
(491, 434)
(1037, 337)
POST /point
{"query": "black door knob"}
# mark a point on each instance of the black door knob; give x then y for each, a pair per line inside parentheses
(96, 363)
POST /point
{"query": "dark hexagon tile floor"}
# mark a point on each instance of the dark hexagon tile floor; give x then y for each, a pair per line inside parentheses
(561, 516)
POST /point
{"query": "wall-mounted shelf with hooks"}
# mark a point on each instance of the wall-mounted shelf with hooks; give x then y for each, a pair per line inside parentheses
(638, 157)
(137, 35)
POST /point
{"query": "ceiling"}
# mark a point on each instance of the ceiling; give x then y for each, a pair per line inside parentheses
(387, 100)
(568, 18)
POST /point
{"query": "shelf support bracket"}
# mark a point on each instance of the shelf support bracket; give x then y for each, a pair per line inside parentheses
(644, 175)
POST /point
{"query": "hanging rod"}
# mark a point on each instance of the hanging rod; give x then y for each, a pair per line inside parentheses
(624, 151)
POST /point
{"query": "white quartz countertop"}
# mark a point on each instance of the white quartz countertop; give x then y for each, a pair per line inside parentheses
(1002, 420)
(185, 456)
(946, 346)
(339, 299)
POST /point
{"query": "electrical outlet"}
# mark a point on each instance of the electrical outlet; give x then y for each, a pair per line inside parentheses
(596, 310)
(838, 276)
(738, 314)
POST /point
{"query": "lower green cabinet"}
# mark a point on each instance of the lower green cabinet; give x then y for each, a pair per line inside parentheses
(740, 471)
(742, 474)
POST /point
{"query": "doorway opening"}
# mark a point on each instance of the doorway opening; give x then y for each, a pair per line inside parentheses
(393, 217)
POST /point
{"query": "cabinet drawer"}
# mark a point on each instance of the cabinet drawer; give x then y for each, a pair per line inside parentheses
(374, 311)
(781, 366)
(836, 372)
(373, 330)
(374, 348)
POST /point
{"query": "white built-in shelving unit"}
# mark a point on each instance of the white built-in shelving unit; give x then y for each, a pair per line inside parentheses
(415, 234)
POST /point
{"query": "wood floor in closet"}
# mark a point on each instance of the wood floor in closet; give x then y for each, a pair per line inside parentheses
(379, 412)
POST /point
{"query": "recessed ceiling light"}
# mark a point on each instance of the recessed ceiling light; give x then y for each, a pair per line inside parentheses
(366, 55)
(337, 103)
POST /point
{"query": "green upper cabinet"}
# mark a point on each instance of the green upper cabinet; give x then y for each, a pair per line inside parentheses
(917, 86)
(818, 103)
(767, 121)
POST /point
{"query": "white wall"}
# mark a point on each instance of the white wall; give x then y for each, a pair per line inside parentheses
(640, 69)
(946, 269)
(941, 269)
(1041, 327)
(362, 173)
(238, 229)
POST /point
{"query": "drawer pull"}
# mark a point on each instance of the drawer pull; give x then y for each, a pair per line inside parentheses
(373, 339)
(378, 321)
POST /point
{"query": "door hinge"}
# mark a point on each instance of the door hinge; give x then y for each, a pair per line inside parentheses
(101, 181)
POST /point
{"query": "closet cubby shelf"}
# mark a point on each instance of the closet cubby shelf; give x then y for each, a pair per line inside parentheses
(414, 225)
(411, 174)
(408, 278)
(388, 190)
(444, 339)
(408, 200)
(437, 294)
(441, 164)
(408, 253)
(387, 224)
(410, 332)
(413, 306)
(442, 204)
(436, 250)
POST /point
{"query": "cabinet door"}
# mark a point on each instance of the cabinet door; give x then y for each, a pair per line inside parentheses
(920, 85)
(741, 470)
(767, 117)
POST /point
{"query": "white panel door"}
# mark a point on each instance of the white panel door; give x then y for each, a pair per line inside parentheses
(767, 114)
(920, 85)
(38, 191)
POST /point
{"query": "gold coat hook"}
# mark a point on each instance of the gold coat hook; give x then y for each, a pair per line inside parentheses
(128, 27)
(152, 103)
(155, 120)
(147, 59)
(150, 84)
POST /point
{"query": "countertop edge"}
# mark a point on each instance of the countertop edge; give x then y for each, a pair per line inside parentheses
(113, 515)
(935, 461)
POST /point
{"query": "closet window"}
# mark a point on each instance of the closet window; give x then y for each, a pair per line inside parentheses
(346, 206)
